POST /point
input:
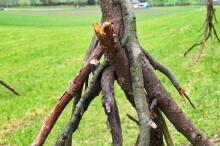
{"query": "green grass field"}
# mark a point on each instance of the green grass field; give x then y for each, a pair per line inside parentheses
(41, 51)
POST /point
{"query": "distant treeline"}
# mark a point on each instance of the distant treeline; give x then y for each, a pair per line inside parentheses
(44, 2)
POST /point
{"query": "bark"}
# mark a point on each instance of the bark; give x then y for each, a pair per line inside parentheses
(110, 106)
(76, 84)
(165, 129)
(9, 87)
(65, 137)
(130, 40)
(111, 11)
(170, 108)
(170, 75)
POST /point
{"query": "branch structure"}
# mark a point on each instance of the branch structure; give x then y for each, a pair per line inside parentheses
(210, 30)
(133, 68)
(110, 106)
(91, 92)
(170, 108)
(76, 84)
(134, 53)
(170, 75)
(10, 88)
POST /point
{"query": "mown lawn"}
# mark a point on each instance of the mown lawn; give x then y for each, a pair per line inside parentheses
(41, 51)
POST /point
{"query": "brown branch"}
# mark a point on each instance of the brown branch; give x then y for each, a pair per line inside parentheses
(76, 84)
(110, 106)
(9, 87)
(65, 137)
(209, 30)
(169, 107)
(167, 72)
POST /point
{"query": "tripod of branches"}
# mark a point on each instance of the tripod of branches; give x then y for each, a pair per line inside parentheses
(126, 62)
(210, 30)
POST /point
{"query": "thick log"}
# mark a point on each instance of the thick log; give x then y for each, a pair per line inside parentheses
(76, 84)
(170, 108)
(110, 106)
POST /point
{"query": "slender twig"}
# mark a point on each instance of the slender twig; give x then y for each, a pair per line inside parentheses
(9, 87)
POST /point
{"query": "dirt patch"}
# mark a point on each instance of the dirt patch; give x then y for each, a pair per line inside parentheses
(13, 124)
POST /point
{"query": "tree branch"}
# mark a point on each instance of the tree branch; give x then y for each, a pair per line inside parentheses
(76, 84)
(167, 72)
(110, 106)
(65, 137)
(9, 87)
(134, 53)
(169, 107)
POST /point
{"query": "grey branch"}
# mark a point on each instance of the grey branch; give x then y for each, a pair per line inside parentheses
(134, 54)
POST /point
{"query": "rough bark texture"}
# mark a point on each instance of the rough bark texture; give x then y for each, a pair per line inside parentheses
(170, 75)
(130, 40)
(110, 106)
(169, 107)
(111, 11)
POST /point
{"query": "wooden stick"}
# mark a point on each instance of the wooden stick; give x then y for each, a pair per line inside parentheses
(170, 75)
(110, 106)
(65, 137)
(9, 87)
(130, 40)
(65, 99)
